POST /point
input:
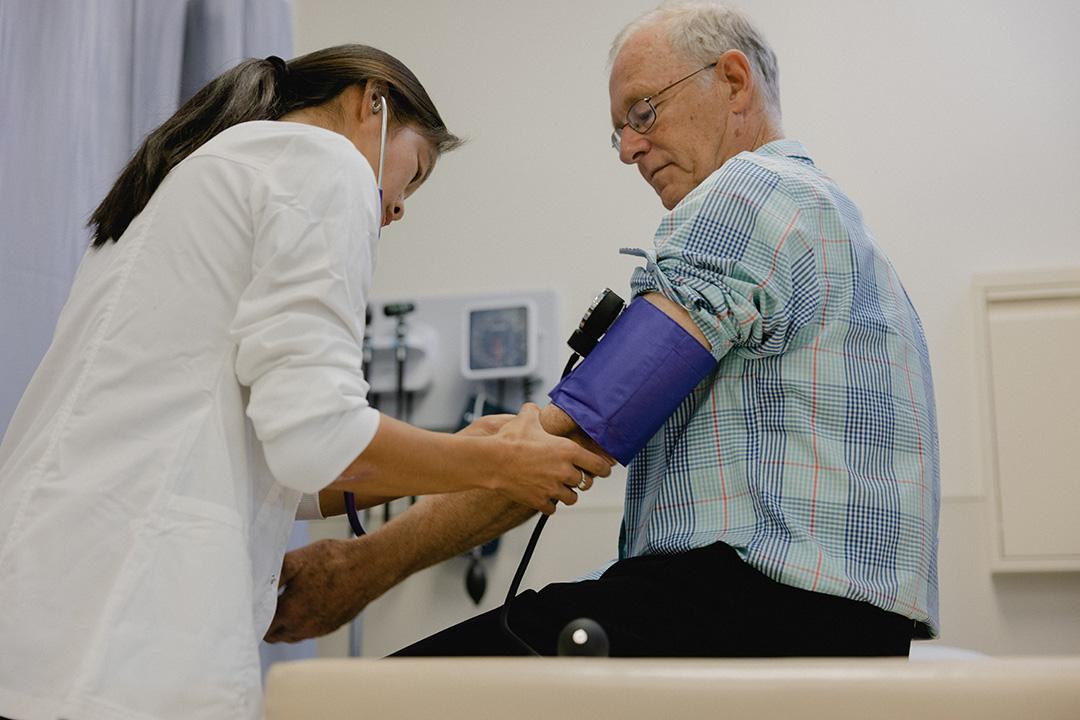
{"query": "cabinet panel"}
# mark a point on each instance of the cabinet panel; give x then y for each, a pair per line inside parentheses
(1035, 381)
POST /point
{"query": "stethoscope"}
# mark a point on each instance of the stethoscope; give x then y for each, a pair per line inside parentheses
(602, 312)
(384, 108)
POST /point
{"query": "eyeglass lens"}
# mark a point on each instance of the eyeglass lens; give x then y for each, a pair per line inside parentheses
(640, 118)
(642, 114)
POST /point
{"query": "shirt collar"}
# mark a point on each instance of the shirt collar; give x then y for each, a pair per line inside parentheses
(786, 148)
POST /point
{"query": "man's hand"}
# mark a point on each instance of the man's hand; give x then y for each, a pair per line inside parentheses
(326, 584)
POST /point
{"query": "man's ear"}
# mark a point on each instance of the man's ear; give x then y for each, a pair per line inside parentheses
(733, 69)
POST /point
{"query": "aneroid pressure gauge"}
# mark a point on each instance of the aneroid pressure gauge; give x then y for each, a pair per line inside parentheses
(602, 312)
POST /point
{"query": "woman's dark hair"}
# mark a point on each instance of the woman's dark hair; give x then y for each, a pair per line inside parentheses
(264, 90)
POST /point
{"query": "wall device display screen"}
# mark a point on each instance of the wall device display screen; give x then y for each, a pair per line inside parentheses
(499, 338)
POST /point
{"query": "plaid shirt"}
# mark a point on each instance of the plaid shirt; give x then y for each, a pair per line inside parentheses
(813, 449)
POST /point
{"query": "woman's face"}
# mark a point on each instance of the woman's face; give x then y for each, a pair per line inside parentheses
(409, 156)
(409, 160)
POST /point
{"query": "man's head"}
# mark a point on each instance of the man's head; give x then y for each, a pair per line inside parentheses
(730, 102)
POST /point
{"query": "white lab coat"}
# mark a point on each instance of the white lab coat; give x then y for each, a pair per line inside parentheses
(204, 373)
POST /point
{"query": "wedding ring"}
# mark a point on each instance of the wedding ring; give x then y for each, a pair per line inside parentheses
(582, 483)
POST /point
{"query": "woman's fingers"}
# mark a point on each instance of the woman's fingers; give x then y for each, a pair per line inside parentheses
(566, 496)
(590, 462)
(486, 425)
(531, 412)
(549, 469)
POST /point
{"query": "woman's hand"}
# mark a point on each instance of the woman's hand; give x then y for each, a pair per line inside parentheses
(538, 469)
(555, 421)
(486, 425)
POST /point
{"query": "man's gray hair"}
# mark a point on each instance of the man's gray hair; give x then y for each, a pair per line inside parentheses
(702, 31)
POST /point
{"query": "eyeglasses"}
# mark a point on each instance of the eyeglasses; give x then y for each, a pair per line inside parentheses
(642, 114)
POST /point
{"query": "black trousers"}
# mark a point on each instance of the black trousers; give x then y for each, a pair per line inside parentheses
(702, 603)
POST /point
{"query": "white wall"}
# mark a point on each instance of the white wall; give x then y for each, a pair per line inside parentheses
(951, 123)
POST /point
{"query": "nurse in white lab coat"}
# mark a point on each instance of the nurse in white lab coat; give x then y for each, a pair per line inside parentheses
(204, 375)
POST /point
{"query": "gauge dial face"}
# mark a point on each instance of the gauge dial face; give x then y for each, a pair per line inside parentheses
(499, 338)
(592, 308)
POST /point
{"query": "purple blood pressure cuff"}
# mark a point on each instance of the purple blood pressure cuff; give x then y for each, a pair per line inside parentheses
(634, 379)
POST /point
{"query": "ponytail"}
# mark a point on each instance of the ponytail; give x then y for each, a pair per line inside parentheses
(246, 92)
(262, 90)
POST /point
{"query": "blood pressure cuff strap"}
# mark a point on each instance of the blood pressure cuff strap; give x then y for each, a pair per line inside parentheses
(634, 379)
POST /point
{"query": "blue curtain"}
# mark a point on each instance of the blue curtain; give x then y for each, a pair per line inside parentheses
(81, 83)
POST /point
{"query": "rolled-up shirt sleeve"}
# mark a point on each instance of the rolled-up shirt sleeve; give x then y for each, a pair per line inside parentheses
(734, 255)
(299, 323)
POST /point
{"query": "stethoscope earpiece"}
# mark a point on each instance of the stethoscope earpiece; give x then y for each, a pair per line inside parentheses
(376, 107)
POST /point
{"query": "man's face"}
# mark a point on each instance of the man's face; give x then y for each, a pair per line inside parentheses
(685, 144)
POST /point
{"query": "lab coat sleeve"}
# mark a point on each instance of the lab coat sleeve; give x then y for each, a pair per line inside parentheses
(735, 255)
(299, 324)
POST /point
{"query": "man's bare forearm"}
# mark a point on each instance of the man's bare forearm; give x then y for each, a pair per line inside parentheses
(439, 527)
(444, 526)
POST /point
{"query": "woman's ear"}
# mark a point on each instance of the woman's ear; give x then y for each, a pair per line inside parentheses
(353, 104)
(374, 98)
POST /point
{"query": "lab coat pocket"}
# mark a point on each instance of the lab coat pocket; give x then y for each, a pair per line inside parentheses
(179, 643)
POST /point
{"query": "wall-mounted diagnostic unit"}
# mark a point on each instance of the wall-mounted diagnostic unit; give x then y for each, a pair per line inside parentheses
(501, 340)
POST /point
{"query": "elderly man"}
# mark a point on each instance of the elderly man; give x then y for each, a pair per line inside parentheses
(789, 505)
